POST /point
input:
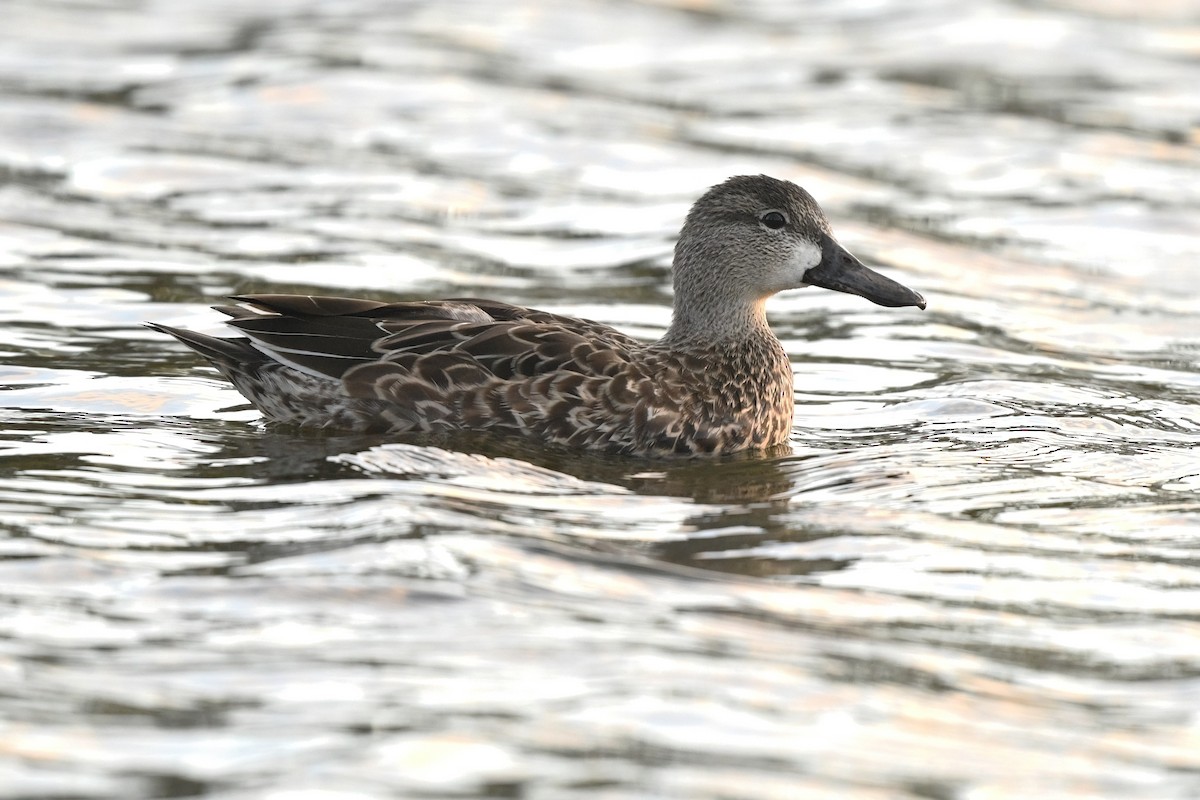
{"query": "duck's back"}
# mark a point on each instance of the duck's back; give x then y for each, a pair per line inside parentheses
(468, 364)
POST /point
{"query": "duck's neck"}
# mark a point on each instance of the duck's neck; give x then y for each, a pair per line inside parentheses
(714, 304)
(704, 323)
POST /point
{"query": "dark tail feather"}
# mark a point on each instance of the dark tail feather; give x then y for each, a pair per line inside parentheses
(220, 351)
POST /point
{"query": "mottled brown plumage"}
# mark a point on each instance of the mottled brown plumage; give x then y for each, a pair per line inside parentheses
(717, 382)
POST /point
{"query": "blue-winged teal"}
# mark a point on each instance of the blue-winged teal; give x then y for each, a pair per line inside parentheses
(717, 382)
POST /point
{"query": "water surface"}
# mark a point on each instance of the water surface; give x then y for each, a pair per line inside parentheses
(974, 573)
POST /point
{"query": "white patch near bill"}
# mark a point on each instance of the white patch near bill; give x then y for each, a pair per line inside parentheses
(804, 256)
(807, 254)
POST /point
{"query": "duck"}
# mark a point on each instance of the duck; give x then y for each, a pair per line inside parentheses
(717, 382)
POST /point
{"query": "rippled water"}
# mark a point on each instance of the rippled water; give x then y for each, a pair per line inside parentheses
(976, 574)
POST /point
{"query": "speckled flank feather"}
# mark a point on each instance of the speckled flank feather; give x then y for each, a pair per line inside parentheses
(360, 365)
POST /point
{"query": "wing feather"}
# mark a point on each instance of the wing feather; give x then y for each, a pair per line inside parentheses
(479, 362)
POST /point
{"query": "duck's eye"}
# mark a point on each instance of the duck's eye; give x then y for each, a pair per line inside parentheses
(773, 220)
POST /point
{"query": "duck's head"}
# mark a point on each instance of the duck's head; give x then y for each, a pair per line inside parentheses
(752, 236)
